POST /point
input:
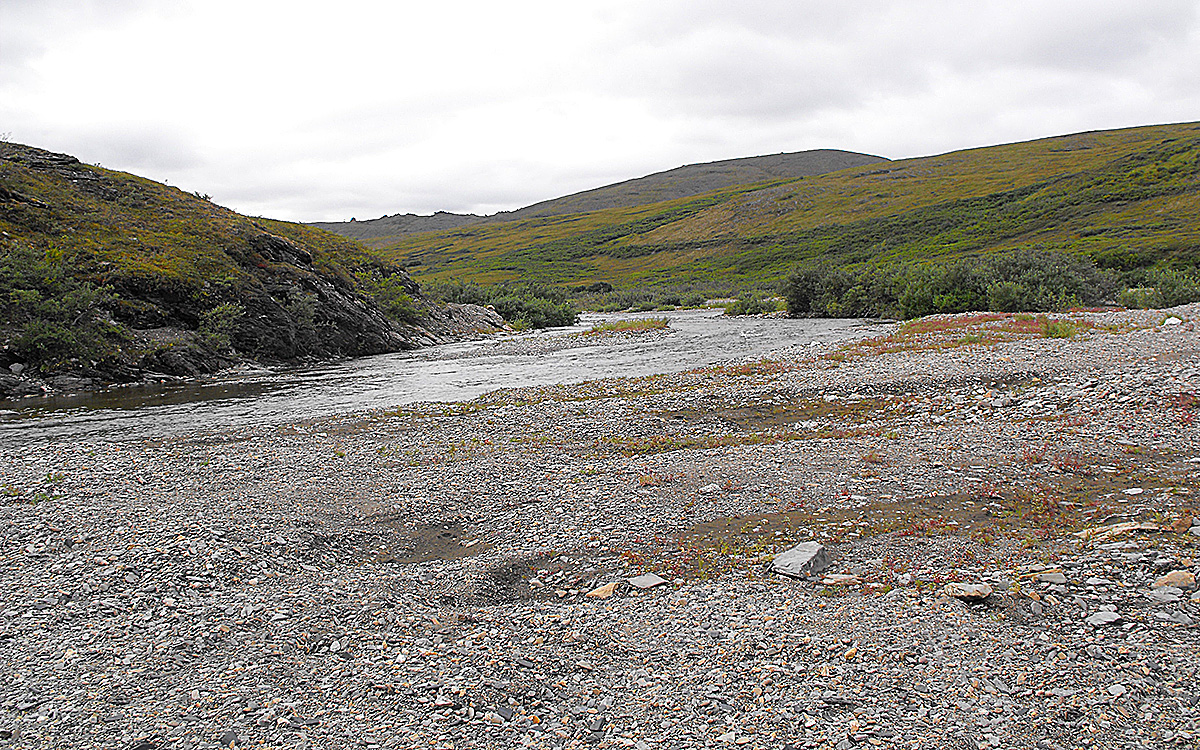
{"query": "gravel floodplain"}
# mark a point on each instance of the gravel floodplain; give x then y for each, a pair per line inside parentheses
(420, 578)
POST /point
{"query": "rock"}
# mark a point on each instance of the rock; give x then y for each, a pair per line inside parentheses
(16, 368)
(1103, 618)
(1195, 531)
(1180, 579)
(1172, 321)
(1104, 533)
(1132, 491)
(840, 579)
(646, 581)
(1166, 594)
(228, 739)
(1117, 690)
(710, 489)
(806, 558)
(335, 646)
(1053, 577)
(969, 591)
(603, 592)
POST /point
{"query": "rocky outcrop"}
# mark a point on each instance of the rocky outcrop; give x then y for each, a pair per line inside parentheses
(181, 287)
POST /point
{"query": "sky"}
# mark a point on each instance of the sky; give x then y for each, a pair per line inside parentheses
(315, 111)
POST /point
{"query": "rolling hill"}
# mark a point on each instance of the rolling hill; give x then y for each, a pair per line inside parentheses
(1125, 199)
(681, 182)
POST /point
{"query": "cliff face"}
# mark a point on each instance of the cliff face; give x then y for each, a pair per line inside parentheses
(107, 277)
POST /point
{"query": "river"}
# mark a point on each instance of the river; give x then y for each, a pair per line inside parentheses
(449, 373)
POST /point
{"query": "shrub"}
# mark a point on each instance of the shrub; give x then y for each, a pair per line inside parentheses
(217, 324)
(750, 304)
(522, 305)
(53, 316)
(393, 293)
(1025, 279)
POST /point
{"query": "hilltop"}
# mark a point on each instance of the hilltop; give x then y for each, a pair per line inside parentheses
(1124, 200)
(106, 276)
(681, 182)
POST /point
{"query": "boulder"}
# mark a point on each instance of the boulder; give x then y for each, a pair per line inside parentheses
(805, 559)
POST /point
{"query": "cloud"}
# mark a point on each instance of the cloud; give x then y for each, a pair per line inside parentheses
(307, 110)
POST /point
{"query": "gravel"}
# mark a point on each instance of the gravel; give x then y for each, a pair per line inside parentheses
(419, 578)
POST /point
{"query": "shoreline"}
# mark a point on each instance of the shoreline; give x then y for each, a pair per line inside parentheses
(417, 577)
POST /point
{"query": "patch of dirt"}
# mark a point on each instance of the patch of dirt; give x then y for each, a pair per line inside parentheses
(435, 541)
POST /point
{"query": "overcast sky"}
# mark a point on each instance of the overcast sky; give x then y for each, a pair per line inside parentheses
(324, 111)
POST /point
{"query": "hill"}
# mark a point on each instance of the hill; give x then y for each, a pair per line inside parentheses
(1126, 200)
(105, 276)
(681, 182)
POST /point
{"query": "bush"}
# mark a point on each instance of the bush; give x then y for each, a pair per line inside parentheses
(393, 293)
(53, 316)
(217, 324)
(750, 304)
(1027, 279)
(522, 305)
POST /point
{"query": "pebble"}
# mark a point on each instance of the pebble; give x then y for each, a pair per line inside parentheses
(1102, 618)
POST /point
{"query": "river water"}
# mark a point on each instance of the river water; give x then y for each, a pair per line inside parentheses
(454, 372)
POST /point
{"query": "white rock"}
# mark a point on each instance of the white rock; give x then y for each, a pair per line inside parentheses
(968, 591)
(1172, 321)
(1102, 618)
(646, 581)
(806, 558)
(1117, 690)
(710, 489)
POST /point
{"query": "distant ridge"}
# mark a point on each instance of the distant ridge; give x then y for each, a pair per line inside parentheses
(680, 182)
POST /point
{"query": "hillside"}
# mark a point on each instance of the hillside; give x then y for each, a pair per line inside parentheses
(681, 182)
(105, 276)
(1125, 199)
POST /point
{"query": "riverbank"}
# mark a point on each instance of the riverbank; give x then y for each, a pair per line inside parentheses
(419, 577)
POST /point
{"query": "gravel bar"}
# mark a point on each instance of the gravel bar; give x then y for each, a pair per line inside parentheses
(1008, 518)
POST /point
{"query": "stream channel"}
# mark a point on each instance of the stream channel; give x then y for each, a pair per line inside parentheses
(448, 373)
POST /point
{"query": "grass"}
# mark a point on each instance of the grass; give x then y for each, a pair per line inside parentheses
(639, 325)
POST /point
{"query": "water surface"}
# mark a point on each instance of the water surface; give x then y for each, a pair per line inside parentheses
(454, 372)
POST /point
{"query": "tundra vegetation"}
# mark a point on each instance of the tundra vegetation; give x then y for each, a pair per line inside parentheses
(1045, 225)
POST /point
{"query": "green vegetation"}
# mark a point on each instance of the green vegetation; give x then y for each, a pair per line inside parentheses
(1127, 202)
(51, 316)
(522, 305)
(393, 293)
(1026, 279)
(751, 303)
(638, 325)
(218, 323)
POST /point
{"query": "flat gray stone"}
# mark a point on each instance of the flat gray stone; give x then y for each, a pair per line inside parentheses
(1102, 618)
(968, 591)
(1058, 578)
(805, 559)
(647, 581)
